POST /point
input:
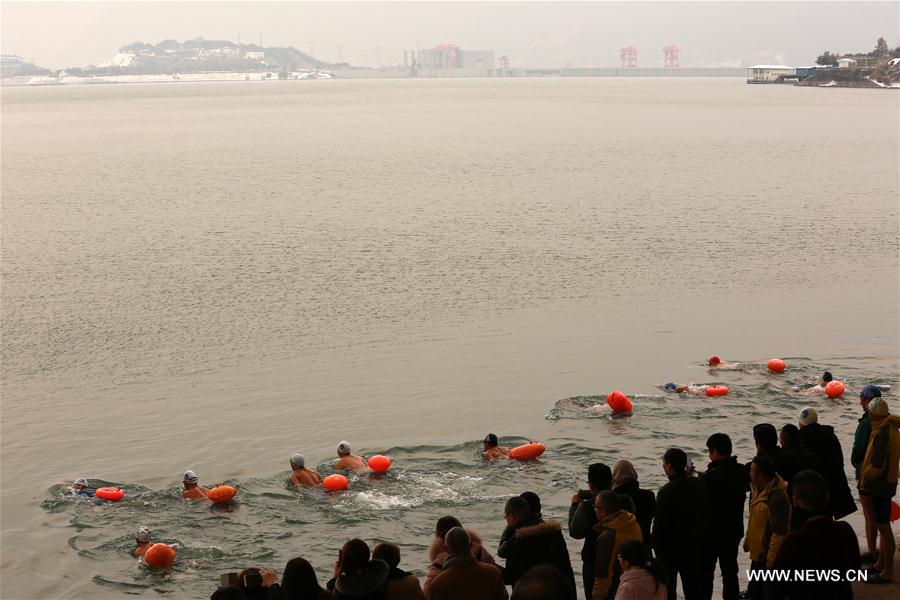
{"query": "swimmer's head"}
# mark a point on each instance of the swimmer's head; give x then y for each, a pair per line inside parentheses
(343, 448)
(669, 387)
(808, 416)
(870, 392)
(142, 536)
(190, 478)
(827, 376)
(297, 461)
(714, 360)
(79, 483)
(490, 440)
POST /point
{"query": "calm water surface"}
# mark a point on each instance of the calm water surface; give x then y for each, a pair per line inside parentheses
(215, 276)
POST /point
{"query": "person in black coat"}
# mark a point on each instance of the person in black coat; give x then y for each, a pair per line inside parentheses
(625, 482)
(727, 484)
(582, 520)
(535, 542)
(680, 527)
(787, 463)
(821, 441)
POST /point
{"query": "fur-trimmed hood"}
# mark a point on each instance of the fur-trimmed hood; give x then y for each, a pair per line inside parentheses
(549, 526)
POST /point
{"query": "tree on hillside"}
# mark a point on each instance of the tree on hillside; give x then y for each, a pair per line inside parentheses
(827, 59)
(881, 49)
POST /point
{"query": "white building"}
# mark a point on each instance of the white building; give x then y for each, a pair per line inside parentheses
(769, 73)
(255, 55)
(846, 63)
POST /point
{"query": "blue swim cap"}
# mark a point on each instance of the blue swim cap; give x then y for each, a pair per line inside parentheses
(870, 391)
(669, 387)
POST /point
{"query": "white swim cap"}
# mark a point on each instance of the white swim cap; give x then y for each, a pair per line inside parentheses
(142, 535)
(298, 461)
(344, 447)
(808, 416)
(81, 481)
(190, 477)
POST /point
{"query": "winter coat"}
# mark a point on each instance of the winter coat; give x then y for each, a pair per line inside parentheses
(821, 441)
(467, 579)
(612, 532)
(768, 522)
(537, 543)
(727, 484)
(878, 474)
(821, 544)
(640, 584)
(438, 553)
(582, 519)
(680, 526)
(403, 586)
(860, 442)
(644, 502)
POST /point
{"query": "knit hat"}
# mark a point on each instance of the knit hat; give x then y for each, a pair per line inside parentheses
(190, 477)
(808, 416)
(870, 391)
(879, 408)
(298, 461)
(142, 535)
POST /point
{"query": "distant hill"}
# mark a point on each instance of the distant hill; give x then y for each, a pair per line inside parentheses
(199, 55)
(16, 66)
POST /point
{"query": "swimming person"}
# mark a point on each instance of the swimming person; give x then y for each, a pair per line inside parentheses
(347, 461)
(80, 488)
(818, 389)
(192, 489)
(301, 476)
(686, 388)
(492, 448)
(142, 539)
(717, 363)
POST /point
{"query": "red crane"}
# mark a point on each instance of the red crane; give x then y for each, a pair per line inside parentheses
(628, 54)
(671, 53)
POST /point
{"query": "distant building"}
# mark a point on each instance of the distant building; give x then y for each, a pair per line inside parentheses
(255, 55)
(451, 56)
(475, 59)
(846, 63)
(769, 73)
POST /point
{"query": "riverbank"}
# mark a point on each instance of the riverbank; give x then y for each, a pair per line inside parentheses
(848, 78)
(865, 591)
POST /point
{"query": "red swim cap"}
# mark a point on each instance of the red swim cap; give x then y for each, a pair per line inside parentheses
(714, 360)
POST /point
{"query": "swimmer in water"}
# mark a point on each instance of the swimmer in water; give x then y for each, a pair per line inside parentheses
(686, 388)
(142, 539)
(80, 488)
(717, 363)
(492, 448)
(301, 476)
(192, 489)
(347, 461)
(819, 388)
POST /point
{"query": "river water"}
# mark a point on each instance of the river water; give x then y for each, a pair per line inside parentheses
(215, 276)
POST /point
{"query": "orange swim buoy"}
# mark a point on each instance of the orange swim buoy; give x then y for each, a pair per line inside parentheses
(110, 493)
(716, 390)
(776, 365)
(528, 451)
(334, 483)
(834, 389)
(221, 494)
(380, 463)
(159, 556)
(895, 511)
(619, 402)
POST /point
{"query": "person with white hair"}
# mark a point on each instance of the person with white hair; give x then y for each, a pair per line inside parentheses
(301, 476)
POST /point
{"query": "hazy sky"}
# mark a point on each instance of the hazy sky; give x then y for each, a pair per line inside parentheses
(535, 34)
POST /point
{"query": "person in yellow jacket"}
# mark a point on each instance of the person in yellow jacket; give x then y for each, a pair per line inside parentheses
(878, 479)
(769, 519)
(615, 526)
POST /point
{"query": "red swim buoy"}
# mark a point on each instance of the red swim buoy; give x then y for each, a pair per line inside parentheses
(895, 511)
(221, 494)
(716, 390)
(834, 389)
(528, 451)
(110, 493)
(380, 463)
(159, 556)
(619, 402)
(334, 483)
(776, 365)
